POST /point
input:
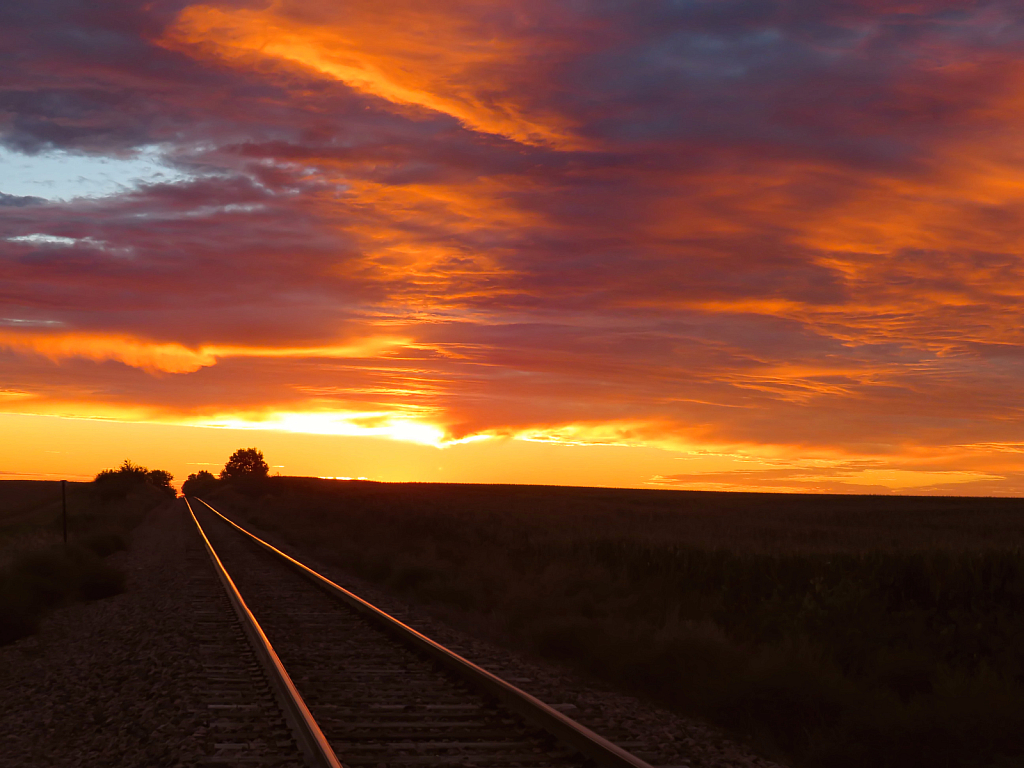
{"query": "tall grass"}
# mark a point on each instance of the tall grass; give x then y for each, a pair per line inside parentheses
(31, 517)
(38, 581)
(833, 631)
(37, 572)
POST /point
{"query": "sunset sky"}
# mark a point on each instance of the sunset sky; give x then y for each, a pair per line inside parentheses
(705, 244)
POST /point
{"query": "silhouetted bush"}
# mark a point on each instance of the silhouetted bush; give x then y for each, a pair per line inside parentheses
(105, 543)
(38, 581)
(161, 479)
(118, 483)
(199, 484)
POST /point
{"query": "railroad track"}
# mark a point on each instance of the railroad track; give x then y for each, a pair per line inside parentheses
(359, 688)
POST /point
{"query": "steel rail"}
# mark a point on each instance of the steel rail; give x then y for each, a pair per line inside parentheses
(311, 739)
(603, 752)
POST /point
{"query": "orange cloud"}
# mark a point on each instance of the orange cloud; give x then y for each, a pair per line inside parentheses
(163, 357)
(436, 58)
(432, 268)
(154, 357)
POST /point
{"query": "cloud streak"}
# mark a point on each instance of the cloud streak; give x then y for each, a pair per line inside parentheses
(442, 58)
(155, 357)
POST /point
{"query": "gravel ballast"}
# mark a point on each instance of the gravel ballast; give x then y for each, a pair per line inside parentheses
(127, 681)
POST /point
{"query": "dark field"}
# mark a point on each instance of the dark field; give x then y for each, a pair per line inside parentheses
(20, 497)
(30, 514)
(37, 572)
(829, 630)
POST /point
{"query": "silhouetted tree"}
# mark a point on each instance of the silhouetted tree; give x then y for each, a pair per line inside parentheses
(160, 478)
(247, 464)
(128, 469)
(200, 482)
(117, 483)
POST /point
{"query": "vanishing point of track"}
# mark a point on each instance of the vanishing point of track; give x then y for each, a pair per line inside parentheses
(359, 688)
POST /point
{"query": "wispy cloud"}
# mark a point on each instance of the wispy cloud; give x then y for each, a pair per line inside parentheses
(447, 59)
(171, 357)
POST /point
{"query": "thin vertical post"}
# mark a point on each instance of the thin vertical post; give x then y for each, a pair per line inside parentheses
(64, 507)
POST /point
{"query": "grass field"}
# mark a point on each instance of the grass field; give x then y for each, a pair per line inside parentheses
(30, 514)
(37, 572)
(829, 630)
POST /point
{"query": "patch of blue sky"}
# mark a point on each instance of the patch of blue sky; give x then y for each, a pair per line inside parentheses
(63, 176)
(21, 322)
(40, 239)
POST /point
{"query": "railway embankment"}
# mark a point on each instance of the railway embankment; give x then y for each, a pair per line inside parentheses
(660, 737)
(160, 674)
(141, 678)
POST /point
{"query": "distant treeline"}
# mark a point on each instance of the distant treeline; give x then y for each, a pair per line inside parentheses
(245, 468)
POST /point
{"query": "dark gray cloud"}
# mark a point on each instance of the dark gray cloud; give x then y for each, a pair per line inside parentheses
(19, 201)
